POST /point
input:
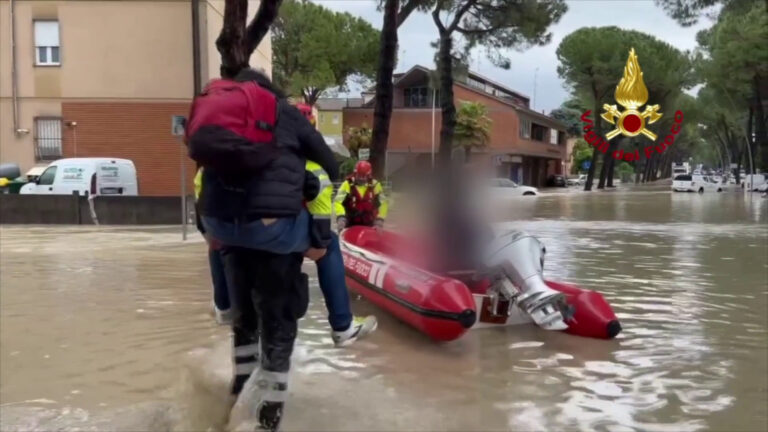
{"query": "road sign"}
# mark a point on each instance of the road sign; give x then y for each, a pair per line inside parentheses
(364, 154)
(177, 125)
(586, 164)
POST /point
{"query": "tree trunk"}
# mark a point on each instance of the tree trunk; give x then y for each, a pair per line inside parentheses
(599, 132)
(382, 112)
(761, 131)
(467, 154)
(612, 165)
(447, 106)
(751, 147)
(607, 163)
(232, 42)
(647, 170)
(259, 27)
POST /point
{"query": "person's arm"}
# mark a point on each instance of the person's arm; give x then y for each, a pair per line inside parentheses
(338, 202)
(381, 201)
(320, 208)
(313, 144)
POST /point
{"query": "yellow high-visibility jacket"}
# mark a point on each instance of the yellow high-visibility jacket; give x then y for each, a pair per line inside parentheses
(198, 183)
(320, 206)
(378, 192)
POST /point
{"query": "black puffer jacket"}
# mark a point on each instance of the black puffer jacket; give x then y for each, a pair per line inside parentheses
(277, 189)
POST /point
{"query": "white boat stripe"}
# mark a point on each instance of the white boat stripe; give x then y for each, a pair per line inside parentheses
(373, 273)
(381, 275)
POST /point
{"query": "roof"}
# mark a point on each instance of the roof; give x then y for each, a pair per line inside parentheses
(403, 78)
(337, 104)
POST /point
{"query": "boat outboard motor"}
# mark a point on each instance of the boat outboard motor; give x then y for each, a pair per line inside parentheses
(516, 258)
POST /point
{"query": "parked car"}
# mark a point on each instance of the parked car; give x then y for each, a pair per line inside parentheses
(577, 181)
(506, 187)
(94, 176)
(694, 183)
(556, 181)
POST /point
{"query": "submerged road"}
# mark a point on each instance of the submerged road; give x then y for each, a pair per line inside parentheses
(110, 328)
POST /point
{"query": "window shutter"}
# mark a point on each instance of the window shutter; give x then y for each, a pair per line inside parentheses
(47, 33)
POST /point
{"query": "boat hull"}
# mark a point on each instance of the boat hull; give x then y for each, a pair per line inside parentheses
(445, 308)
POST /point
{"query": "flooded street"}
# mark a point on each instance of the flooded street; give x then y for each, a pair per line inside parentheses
(110, 328)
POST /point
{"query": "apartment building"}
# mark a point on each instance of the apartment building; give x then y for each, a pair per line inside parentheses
(526, 146)
(88, 78)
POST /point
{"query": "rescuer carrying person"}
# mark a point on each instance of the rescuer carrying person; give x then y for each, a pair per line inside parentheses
(360, 199)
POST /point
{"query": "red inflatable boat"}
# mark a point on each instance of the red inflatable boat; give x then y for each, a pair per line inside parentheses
(389, 271)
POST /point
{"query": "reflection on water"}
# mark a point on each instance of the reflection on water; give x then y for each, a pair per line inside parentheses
(110, 328)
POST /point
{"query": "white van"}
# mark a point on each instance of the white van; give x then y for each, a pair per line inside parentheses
(87, 176)
(753, 182)
(694, 183)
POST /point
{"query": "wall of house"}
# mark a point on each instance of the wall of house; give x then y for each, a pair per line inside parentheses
(326, 125)
(409, 130)
(120, 53)
(139, 131)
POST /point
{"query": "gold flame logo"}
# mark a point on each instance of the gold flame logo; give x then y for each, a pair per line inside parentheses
(632, 94)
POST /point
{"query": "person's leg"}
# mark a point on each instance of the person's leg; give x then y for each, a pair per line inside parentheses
(240, 280)
(220, 289)
(281, 297)
(330, 274)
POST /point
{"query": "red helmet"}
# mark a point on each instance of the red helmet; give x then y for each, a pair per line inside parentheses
(363, 169)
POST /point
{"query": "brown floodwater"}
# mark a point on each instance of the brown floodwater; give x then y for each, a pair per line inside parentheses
(109, 328)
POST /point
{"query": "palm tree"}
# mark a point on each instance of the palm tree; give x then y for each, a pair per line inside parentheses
(473, 127)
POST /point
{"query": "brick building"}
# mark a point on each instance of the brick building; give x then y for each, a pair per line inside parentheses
(102, 78)
(526, 146)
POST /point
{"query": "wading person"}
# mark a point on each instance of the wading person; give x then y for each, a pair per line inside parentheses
(253, 146)
(326, 252)
(360, 199)
(221, 303)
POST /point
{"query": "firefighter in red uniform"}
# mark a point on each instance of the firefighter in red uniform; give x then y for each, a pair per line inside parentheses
(360, 199)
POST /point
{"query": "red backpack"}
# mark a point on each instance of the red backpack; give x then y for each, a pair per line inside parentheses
(226, 116)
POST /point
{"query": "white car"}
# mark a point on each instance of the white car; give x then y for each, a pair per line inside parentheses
(577, 181)
(694, 183)
(506, 187)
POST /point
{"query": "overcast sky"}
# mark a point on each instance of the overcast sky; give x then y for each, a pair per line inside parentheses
(642, 15)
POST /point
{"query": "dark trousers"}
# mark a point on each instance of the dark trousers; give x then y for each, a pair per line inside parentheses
(220, 290)
(268, 294)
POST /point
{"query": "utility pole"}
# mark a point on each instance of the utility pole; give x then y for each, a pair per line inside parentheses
(535, 73)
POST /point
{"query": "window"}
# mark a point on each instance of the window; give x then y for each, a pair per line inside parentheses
(507, 183)
(416, 97)
(46, 178)
(335, 119)
(538, 132)
(525, 129)
(47, 43)
(553, 136)
(47, 138)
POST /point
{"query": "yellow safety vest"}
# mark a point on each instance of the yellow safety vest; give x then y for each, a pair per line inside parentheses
(320, 207)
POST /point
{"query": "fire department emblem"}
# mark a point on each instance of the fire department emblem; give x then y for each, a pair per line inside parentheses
(632, 94)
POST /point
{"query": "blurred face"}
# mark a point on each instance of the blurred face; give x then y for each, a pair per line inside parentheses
(360, 179)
